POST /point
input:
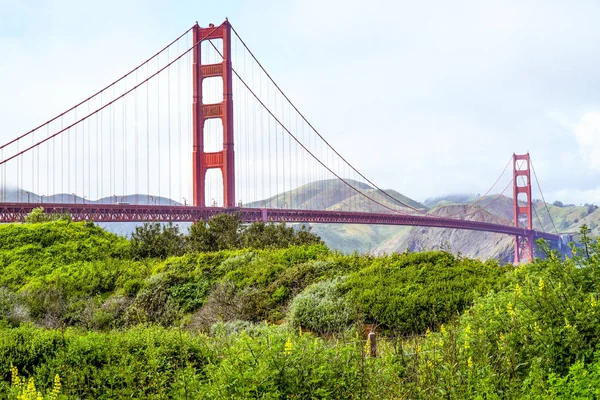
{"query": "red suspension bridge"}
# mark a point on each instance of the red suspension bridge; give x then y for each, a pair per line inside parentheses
(167, 129)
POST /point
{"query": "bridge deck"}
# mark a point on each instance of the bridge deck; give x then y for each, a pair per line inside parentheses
(16, 212)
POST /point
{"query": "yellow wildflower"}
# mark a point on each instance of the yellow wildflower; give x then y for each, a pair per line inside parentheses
(537, 328)
(31, 392)
(541, 285)
(510, 310)
(427, 333)
(287, 349)
(481, 331)
(567, 324)
(468, 329)
(15, 379)
(518, 290)
(429, 364)
(442, 329)
(593, 300)
(470, 362)
(55, 388)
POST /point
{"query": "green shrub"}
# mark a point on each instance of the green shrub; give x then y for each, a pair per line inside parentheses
(322, 308)
(144, 362)
(153, 240)
(272, 363)
(582, 382)
(31, 250)
(410, 292)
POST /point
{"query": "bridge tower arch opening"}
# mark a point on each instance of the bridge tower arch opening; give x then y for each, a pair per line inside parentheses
(223, 159)
(522, 207)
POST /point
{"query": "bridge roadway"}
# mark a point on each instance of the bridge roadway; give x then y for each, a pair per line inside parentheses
(16, 212)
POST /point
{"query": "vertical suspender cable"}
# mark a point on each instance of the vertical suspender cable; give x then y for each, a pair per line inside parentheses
(113, 136)
(179, 198)
(169, 121)
(47, 162)
(254, 158)
(147, 136)
(283, 154)
(125, 169)
(136, 127)
(158, 124)
(100, 154)
(270, 172)
(89, 154)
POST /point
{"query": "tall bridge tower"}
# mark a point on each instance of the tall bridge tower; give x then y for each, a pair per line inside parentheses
(223, 159)
(522, 207)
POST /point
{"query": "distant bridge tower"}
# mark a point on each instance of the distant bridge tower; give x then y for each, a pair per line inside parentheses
(222, 159)
(522, 213)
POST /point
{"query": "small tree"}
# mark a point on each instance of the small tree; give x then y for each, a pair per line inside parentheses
(225, 231)
(38, 215)
(222, 232)
(305, 237)
(156, 241)
(260, 235)
(200, 238)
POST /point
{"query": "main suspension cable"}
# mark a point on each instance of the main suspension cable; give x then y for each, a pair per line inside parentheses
(98, 92)
(543, 199)
(317, 132)
(110, 103)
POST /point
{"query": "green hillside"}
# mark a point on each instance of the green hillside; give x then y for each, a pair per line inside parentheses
(88, 314)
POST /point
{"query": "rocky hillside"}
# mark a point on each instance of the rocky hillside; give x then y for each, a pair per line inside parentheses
(376, 239)
(565, 219)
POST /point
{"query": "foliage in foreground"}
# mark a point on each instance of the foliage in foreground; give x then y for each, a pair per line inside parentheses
(152, 362)
(476, 330)
(538, 338)
(61, 274)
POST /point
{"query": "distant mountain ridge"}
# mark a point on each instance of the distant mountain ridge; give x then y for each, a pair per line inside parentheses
(335, 195)
(23, 196)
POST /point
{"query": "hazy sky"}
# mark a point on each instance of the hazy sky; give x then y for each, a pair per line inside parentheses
(438, 94)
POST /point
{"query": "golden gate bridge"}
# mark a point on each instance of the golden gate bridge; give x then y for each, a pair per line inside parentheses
(202, 121)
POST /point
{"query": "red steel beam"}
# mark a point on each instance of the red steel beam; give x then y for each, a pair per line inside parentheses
(16, 212)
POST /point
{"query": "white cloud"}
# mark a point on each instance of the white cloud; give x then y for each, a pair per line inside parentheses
(576, 196)
(438, 94)
(587, 133)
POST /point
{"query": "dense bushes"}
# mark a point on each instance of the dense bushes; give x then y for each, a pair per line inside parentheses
(448, 327)
(143, 362)
(271, 363)
(410, 292)
(149, 362)
(157, 241)
(31, 250)
(322, 308)
(538, 337)
(221, 232)
(79, 275)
